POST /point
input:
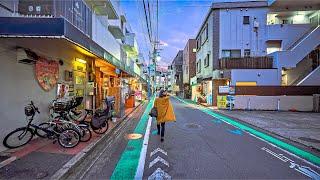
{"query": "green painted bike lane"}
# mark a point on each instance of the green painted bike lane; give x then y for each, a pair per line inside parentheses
(293, 149)
(129, 160)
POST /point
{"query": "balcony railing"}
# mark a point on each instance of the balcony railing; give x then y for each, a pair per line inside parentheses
(246, 63)
(75, 11)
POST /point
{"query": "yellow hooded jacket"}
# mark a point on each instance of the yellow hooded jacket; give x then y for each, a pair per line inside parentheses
(165, 110)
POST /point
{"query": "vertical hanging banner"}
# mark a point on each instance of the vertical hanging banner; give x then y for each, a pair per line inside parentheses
(47, 73)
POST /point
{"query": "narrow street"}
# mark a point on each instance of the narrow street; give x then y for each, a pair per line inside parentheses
(197, 146)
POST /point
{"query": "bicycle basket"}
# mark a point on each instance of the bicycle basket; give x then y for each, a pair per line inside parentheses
(29, 111)
(60, 107)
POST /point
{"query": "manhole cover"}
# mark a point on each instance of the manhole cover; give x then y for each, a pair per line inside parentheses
(192, 126)
(309, 140)
(134, 136)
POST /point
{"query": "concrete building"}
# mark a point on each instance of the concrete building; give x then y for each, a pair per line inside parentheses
(86, 46)
(189, 66)
(258, 43)
(177, 74)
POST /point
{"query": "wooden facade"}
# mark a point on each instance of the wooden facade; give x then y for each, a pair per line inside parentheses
(246, 63)
(277, 90)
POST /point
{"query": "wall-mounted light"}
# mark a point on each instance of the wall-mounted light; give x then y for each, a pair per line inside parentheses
(81, 61)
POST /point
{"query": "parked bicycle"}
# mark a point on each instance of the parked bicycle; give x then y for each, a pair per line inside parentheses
(67, 137)
(63, 112)
(99, 122)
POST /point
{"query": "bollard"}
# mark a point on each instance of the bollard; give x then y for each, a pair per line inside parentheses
(278, 105)
(249, 105)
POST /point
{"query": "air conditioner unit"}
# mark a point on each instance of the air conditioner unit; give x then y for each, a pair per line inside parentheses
(25, 56)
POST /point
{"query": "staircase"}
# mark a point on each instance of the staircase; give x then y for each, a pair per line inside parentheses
(293, 45)
(298, 51)
(312, 79)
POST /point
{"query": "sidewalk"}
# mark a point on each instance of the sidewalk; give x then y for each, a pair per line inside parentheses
(40, 158)
(300, 127)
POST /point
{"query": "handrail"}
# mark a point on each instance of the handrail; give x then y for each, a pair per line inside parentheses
(302, 38)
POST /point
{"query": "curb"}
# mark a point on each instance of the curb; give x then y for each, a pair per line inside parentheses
(287, 139)
(70, 166)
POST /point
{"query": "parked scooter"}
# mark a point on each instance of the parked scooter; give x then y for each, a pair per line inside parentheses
(99, 122)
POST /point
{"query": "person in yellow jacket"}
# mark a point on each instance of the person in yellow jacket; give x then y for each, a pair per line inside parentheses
(165, 112)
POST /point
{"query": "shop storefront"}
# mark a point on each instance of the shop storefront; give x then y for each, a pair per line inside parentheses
(60, 72)
(107, 84)
(201, 91)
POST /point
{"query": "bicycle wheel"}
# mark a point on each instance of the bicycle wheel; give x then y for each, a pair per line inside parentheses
(102, 129)
(18, 138)
(86, 134)
(69, 138)
(42, 133)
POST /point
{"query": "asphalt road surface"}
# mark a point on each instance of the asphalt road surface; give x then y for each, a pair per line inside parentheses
(197, 146)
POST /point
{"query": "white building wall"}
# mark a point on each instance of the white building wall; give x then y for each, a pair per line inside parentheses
(287, 33)
(236, 35)
(284, 103)
(102, 36)
(263, 77)
(205, 49)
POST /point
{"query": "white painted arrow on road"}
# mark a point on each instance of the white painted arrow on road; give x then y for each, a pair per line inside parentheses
(158, 150)
(157, 160)
(159, 174)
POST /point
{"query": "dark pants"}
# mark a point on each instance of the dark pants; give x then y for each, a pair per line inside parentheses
(161, 125)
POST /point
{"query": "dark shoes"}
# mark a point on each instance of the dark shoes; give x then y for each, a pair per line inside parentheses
(162, 139)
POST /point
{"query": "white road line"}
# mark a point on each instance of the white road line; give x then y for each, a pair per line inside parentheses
(158, 150)
(7, 161)
(273, 145)
(158, 159)
(159, 174)
(143, 153)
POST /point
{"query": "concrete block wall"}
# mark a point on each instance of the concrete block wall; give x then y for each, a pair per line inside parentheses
(286, 103)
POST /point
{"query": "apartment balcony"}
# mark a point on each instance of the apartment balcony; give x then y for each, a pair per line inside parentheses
(246, 63)
(130, 44)
(116, 28)
(103, 8)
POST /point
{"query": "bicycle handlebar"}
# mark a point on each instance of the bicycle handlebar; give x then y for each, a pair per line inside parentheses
(35, 108)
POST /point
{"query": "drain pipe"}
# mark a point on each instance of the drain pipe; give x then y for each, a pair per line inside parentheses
(249, 105)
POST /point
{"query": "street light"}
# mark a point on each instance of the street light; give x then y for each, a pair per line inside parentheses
(158, 58)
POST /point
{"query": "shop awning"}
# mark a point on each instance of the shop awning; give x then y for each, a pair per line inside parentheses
(55, 28)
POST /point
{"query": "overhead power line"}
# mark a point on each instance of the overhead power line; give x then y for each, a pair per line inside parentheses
(147, 22)
(150, 24)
